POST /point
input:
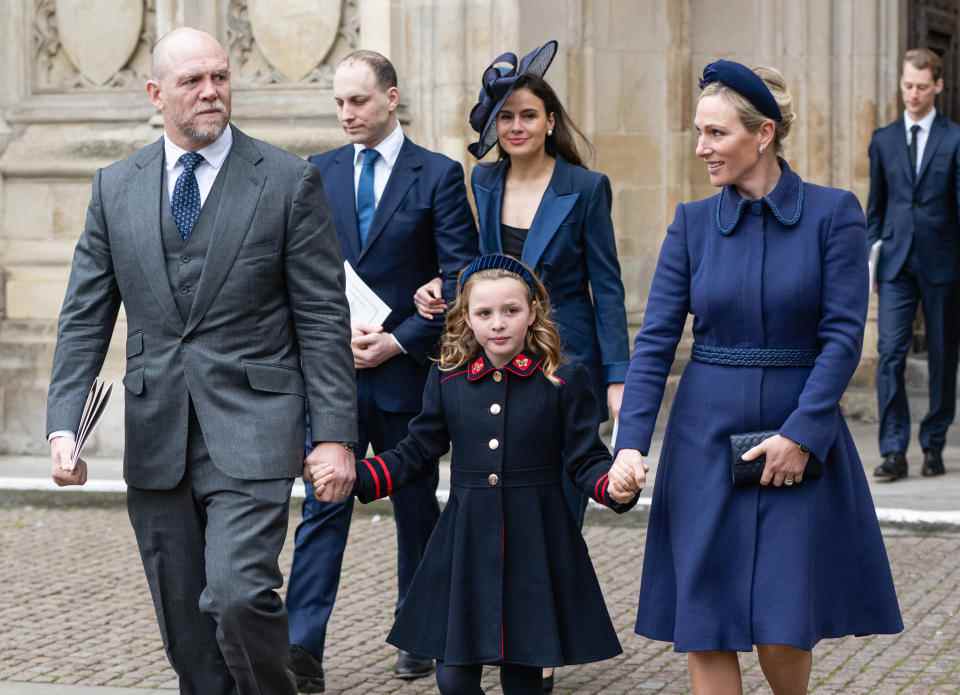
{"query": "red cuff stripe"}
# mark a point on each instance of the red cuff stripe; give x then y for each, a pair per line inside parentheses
(597, 491)
(603, 493)
(386, 474)
(373, 474)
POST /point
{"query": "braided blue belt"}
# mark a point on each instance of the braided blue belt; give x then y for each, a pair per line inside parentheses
(754, 357)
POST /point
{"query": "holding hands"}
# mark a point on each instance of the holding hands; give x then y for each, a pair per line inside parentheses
(331, 468)
(785, 463)
(627, 476)
(429, 299)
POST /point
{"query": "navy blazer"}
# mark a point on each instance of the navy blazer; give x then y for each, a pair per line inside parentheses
(921, 214)
(422, 224)
(571, 247)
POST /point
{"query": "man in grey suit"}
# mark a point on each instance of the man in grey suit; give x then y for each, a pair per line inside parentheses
(222, 250)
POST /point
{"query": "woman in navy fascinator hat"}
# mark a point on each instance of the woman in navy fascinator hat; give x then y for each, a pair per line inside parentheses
(774, 271)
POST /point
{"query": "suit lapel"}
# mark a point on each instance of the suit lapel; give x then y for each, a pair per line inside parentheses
(933, 142)
(557, 202)
(242, 189)
(343, 199)
(902, 150)
(144, 211)
(489, 199)
(404, 174)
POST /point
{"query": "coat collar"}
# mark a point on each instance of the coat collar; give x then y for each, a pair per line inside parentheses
(522, 365)
(558, 200)
(785, 202)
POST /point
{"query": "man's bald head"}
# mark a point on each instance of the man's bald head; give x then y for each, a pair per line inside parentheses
(179, 45)
(190, 86)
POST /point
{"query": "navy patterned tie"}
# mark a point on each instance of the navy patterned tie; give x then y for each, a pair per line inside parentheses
(366, 200)
(185, 205)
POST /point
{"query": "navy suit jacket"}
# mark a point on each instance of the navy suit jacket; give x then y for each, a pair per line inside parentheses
(918, 213)
(571, 247)
(422, 225)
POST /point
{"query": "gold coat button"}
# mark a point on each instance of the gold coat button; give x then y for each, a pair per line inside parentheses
(492, 479)
(498, 376)
(494, 444)
(495, 409)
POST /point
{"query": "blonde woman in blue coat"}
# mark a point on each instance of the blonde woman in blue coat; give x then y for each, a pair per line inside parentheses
(774, 271)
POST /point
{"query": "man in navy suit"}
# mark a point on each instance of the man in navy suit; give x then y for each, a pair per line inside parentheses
(912, 213)
(401, 214)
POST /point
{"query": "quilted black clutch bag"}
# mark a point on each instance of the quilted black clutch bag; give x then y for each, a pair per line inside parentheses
(746, 473)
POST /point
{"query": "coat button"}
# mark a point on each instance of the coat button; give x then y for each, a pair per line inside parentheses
(494, 444)
(498, 376)
(495, 409)
(492, 479)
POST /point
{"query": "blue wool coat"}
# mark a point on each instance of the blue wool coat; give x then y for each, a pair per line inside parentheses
(572, 248)
(506, 577)
(728, 568)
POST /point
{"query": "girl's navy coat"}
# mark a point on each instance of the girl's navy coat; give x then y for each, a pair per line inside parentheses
(728, 568)
(571, 247)
(506, 577)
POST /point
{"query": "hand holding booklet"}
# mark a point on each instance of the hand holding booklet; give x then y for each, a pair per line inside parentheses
(96, 404)
(365, 306)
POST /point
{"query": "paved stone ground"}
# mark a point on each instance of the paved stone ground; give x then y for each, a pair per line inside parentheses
(74, 609)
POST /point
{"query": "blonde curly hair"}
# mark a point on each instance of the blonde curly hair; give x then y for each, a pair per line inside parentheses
(459, 345)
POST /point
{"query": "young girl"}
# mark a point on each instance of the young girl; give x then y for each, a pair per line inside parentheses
(506, 578)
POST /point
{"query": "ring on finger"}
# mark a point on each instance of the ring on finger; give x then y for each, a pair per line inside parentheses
(788, 481)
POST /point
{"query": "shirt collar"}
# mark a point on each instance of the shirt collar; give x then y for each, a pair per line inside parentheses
(925, 123)
(522, 365)
(213, 154)
(785, 202)
(389, 148)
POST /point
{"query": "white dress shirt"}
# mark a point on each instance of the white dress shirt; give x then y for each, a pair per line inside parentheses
(925, 124)
(389, 149)
(214, 155)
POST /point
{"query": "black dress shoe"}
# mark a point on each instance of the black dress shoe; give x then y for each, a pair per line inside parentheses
(894, 467)
(932, 463)
(306, 669)
(410, 667)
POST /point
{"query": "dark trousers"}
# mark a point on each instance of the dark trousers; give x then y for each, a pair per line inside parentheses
(321, 536)
(210, 548)
(897, 309)
(465, 680)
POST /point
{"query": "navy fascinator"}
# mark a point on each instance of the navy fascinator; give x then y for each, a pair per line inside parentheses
(499, 80)
(744, 82)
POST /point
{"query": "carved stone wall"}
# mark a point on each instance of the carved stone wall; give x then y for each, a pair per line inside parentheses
(72, 100)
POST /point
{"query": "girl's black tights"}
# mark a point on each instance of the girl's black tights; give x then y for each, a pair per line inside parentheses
(465, 680)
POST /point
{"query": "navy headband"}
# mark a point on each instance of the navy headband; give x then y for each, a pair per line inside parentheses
(744, 82)
(496, 261)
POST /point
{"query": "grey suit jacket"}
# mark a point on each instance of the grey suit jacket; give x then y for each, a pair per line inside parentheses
(269, 323)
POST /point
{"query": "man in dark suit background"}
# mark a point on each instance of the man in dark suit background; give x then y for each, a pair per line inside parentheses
(185, 233)
(913, 212)
(401, 214)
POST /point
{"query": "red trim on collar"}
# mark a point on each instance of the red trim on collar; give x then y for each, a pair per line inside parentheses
(521, 365)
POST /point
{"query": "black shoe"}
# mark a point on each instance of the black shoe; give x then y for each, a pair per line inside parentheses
(306, 669)
(932, 463)
(548, 684)
(894, 467)
(410, 667)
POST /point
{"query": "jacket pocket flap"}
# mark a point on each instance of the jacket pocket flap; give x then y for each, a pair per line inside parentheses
(134, 344)
(274, 378)
(133, 381)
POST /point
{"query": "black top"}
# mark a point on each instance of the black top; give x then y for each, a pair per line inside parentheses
(512, 238)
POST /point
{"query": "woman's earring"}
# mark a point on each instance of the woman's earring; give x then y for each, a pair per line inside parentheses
(762, 148)
(550, 132)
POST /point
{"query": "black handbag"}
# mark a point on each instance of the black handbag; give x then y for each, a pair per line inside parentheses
(746, 473)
